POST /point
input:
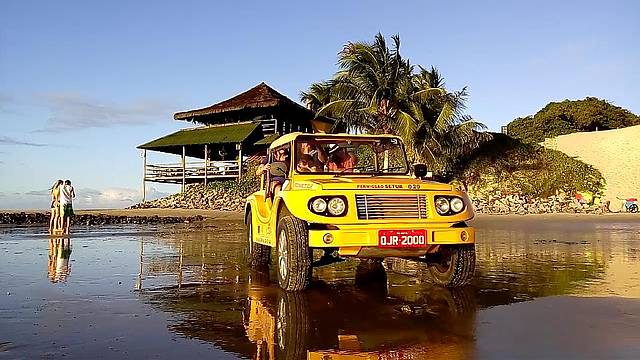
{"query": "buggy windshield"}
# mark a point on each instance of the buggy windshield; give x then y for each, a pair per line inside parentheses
(361, 155)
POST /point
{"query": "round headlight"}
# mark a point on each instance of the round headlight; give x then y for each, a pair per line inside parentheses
(336, 206)
(442, 205)
(319, 205)
(457, 204)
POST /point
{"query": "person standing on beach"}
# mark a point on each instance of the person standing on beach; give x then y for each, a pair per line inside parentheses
(54, 221)
(67, 193)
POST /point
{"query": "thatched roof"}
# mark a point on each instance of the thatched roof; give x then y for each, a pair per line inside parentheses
(267, 140)
(259, 100)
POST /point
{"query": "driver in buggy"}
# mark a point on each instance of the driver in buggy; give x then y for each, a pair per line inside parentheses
(341, 160)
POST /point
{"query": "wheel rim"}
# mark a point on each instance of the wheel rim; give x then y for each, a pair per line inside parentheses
(250, 237)
(282, 255)
(444, 265)
(281, 322)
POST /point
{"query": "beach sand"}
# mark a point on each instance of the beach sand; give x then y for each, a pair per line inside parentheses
(616, 153)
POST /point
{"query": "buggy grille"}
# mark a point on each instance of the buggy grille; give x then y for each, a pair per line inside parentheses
(375, 207)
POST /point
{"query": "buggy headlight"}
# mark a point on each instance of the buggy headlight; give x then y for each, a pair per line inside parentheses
(336, 206)
(457, 205)
(318, 205)
(442, 205)
(328, 205)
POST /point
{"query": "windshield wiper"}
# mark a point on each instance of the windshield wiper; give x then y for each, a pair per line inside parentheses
(393, 168)
(364, 167)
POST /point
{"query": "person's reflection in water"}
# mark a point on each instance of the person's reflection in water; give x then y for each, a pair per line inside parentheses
(59, 254)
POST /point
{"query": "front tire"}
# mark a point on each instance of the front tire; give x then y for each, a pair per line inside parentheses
(456, 266)
(292, 325)
(294, 254)
(258, 255)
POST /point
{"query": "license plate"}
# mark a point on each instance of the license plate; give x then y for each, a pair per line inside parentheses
(402, 238)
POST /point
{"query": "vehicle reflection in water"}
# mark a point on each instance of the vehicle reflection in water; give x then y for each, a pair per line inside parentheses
(365, 320)
(350, 322)
(199, 277)
(58, 268)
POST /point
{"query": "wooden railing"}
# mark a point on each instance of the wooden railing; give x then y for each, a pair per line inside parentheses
(193, 171)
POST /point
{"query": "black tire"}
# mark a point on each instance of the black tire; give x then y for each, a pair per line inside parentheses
(293, 254)
(451, 303)
(371, 278)
(457, 266)
(258, 255)
(633, 208)
(292, 325)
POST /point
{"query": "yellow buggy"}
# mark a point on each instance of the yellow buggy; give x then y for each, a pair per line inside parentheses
(355, 196)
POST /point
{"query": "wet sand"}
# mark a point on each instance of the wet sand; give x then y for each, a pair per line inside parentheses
(232, 215)
(209, 214)
(559, 287)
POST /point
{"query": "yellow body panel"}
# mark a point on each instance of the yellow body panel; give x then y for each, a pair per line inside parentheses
(352, 235)
(348, 230)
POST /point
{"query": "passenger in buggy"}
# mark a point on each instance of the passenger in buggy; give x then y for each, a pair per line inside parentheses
(278, 169)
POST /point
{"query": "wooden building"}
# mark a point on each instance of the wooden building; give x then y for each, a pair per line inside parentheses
(228, 133)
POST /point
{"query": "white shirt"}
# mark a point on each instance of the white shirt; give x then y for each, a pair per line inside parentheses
(66, 194)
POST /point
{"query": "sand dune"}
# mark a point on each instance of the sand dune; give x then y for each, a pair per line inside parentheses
(616, 153)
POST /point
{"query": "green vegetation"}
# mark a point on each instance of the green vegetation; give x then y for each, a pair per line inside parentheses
(376, 90)
(569, 116)
(248, 183)
(511, 166)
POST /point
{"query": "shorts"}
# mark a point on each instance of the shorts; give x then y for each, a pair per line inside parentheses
(277, 180)
(55, 205)
(67, 210)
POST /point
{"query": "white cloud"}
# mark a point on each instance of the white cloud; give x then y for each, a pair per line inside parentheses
(77, 112)
(86, 198)
(5, 140)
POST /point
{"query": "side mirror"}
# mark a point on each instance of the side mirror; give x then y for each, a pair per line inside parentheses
(444, 178)
(421, 171)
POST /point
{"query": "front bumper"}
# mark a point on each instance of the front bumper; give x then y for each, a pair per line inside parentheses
(356, 239)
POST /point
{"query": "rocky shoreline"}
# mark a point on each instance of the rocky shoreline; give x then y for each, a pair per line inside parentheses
(198, 197)
(42, 218)
(496, 203)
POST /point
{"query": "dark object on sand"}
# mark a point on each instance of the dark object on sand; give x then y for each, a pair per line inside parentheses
(631, 205)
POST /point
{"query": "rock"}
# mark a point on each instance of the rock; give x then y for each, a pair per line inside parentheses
(90, 219)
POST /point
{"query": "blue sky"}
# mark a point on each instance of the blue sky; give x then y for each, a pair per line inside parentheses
(82, 83)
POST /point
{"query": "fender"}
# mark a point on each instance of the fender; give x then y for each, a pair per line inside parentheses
(276, 210)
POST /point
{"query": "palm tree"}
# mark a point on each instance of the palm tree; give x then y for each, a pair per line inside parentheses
(377, 91)
(444, 133)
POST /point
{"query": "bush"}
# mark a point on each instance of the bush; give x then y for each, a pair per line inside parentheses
(511, 166)
(569, 116)
(248, 183)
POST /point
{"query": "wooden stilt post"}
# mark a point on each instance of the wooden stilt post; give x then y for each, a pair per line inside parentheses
(184, 166)
(239, 146)
(139, 279)
(180, 265)
(144, 175)
(206, 163)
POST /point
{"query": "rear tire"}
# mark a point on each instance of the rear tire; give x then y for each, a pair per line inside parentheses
(258, 255)
(457, 266)
(293, 254)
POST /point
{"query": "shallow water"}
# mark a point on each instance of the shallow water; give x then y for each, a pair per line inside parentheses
(543, 289)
